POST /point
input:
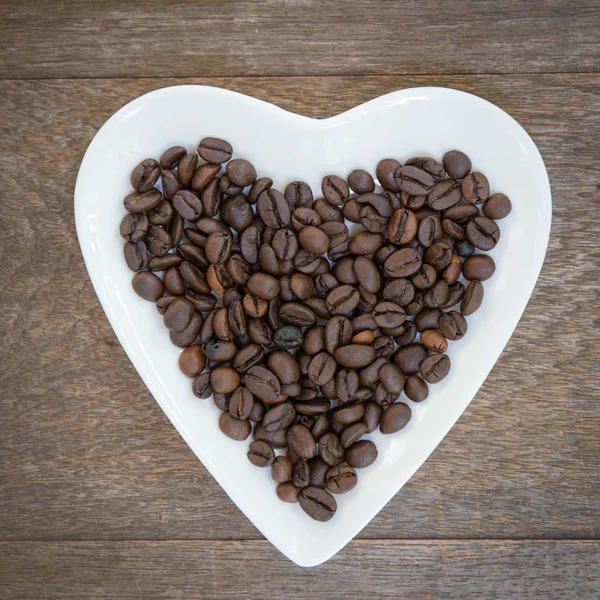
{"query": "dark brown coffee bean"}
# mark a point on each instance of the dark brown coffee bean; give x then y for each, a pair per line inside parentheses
(351, 211)
(343, 300)
(385, 171)
(136, 255)
(346, 385)
(354, 356)
(215, 150)
(361, 182)
(428, 318)
(201, 386)
(371, 220)
(475, 188)
(352, 434)
(444, 195)
(281, 416)
(224, 380)
(161, 214)
(203, 175)
(317, 503)
(178, 315)
(483, 233)
(263, 384)
(220, 351)
(321, 368)
(479, 267)
(188, 336)
(261, 454)
(170, 183)
(211, 198)
(145, 175)
(273, 209)
(392, 379)
(416, 389)
(388, 315)
(456, 163)
(413, 180)
(434, 368)
(186, 167)
(297, 314)
(341, 479)
(437, 296)
(303, 217)
(338, 332)
(192, 361)
(455, 295)
(285, 366)
(318, 471)
(148, 286)
(301, 442)
(241, 172)
(285, 244)
(416, 305)
(281, 469)
(349, 414)
(394, 418)
(301, 474)
(497, 206)
(238, 269)
(218, 247)
(402, 263)
(461, 213)
(237, 213)
(402, 227)
(372, 417)
(288, 492)
(364, 243)
(314, 240)
(275, 439)
(137, 202)
(134, 227)
(453, 325)
(247, 357)
(255, 307)
(227, 187)
(429, 231)
(409, 357)
(162, 263)
(264, 286)
(236, 429)
(367, 274)
(472, 299)
(429, 165)
(424, 278)
(439, 256)
(240, 403)
(331, 450)
(314, 341)
(335, 189)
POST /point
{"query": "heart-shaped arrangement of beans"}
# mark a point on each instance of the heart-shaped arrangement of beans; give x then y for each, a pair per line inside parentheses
(305, 334)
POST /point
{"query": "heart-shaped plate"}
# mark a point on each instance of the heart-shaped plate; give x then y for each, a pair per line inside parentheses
(286, 147)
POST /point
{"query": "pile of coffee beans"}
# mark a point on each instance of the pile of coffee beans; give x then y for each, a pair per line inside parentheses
(304, 333)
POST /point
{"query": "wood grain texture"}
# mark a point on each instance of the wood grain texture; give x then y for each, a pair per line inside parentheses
(86, 453)
(152, 38)
(254, 569)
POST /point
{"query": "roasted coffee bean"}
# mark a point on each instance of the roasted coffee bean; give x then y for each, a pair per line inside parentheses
(429, 231)
(361, 454)
(284, 366)
(298, 194)
(354, 356)
(273, 208)
(475, 188)
(258, 187)
(218, 247)
(364, 337)
(392, 378)
(363, 322)
(434, 368)
(297, 314)
(372, 417)
(321, 368)
(344, 271)
(224, 380)
(482, 233)
(211, 198)
(145, 175)
(250, 242)
(416, 305)
(371, 220)
(341, 479)
(302, 285)
(383, 397)
(263, 384)
(335, 189)
(428, 318)
(385, 171)
(201, 386)
(237, 319)
(413, 180)
(409, 357)
(367, 274)
(254, 306)
(370, 374)
(472, 299)
(364, 243)
(221, 401)
(231, 296)
(361, 182)
(338, 332)
(399, 291)
(136, 255)
(437, 295)
(218, 279)
(351, 210)
(429, 165)
(434, 341)
(455, 295)
(317, 503)
(248, 357)
(215, 150)
(349, 414)
(453, 229)
(424, 278)
(281, 469)
(264, 286)
(170, 158)
(194, 254)
(219, 350)
(238, 269)
(236, 429)
(439, 256)
(159, 242)
(203, 175)
(288, 337)
(241, 172)
(314, 240)
(170, 183)
(456, 163)
(281, 416)
(192, 361)
(285, 244)
(237, 213)
(312, 408)
(416, 389)
(340, 251)
(444, 195)
(318, 471)
(301, 442)
(161, 214)
(402, 263)
(394, 418)
(134, 227)
(479, 267)
(137, 202)
(148, 286)
(331, 450)
(288, 492)
(162, 263)
(227, 187)
(402, 227)
(343, 300)
(304, 217)
(240, 403)
(178, 315)
(314, 341)
(346, 385)
(352, 434)
(453, 325)
(188, 336)
(408, 334)
(186, 167)
(275, 439)
(261, 454)
(497, 206)
(452, 272)
(388, 315)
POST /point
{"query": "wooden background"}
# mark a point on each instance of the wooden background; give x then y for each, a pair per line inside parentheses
(100, 498)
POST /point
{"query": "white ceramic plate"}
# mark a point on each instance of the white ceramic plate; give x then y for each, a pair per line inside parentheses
(286, 146)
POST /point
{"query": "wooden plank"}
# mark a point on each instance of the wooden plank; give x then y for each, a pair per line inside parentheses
(254, 569)
(150, 38)
(87, 454)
